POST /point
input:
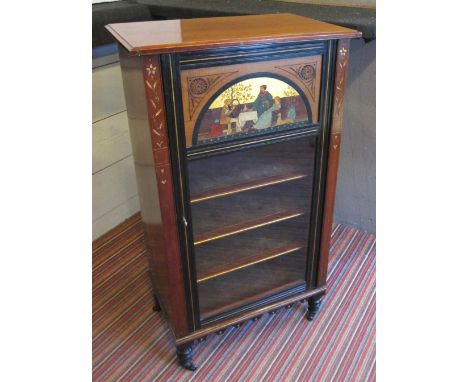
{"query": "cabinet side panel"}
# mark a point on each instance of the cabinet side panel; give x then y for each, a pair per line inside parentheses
(341, 71)
(146, 117)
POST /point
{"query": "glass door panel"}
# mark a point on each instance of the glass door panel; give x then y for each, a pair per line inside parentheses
(250, 221)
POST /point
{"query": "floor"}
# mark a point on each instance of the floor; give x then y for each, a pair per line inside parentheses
(133, 343)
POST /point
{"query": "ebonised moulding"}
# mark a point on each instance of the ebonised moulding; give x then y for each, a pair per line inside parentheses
(314, 305)
(184, 353)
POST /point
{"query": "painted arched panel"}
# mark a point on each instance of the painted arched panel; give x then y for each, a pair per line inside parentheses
(251, 106)
(202, 86)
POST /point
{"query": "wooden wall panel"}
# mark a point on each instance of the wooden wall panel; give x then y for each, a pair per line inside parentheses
(108, 96)
(111, 141)
(111, 188)
(119, 213)
(115, 195)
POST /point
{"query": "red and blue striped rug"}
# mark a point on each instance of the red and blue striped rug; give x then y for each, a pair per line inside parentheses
(133, 343)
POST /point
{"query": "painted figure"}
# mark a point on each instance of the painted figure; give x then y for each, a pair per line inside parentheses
(277, 114)
(291, 112)
(216, 129)
(265, 120)
(226, 113)
(263, 101)
(250, 105)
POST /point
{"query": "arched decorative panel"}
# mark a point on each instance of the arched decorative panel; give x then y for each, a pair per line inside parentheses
(251, 105)
(220, 102)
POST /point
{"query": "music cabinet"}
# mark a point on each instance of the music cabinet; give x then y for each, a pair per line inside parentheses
(235, 125)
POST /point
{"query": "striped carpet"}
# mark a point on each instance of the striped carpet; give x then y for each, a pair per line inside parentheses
(133, 343)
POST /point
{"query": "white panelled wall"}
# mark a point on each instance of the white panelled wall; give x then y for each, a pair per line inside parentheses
(115, 195)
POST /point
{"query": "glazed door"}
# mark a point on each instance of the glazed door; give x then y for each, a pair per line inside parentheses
(250, 127)
(251, 213)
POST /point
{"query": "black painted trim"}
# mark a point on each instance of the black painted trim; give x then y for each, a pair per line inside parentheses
(254, 141)
(249, 53)
(172, 88)
(254, 305)
(326, 99)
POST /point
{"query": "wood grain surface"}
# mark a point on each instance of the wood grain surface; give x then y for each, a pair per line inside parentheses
(195, 34)
(146, 112)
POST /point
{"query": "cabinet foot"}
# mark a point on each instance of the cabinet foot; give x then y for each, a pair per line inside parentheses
(156, 306)
(184, 353)
(314, 307)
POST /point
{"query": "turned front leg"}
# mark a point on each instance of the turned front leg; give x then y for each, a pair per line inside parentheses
(184, 353)
(314, 304)
(156, 306)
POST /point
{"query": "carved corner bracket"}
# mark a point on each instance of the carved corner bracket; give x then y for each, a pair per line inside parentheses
(306, 73)
(199, 86)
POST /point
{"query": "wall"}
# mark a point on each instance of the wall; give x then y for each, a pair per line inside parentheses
(355, 196)
(114, 188)
(115, 196)
(344, 3)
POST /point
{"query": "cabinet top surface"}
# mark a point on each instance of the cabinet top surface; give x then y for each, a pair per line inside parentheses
(195, 34)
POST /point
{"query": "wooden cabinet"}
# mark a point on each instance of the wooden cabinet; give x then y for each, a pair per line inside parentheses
(235, 125)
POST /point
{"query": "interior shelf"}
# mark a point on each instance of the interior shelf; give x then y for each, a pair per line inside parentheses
(246, 262)
(214, 174)
(246, 186)
(245, 226)
(247, 248)
(250, 209)
(250, 284)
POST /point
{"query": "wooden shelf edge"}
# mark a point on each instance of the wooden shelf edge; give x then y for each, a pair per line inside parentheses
(265, 256)
(199, 333)
(247, 226)
(247, 186)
